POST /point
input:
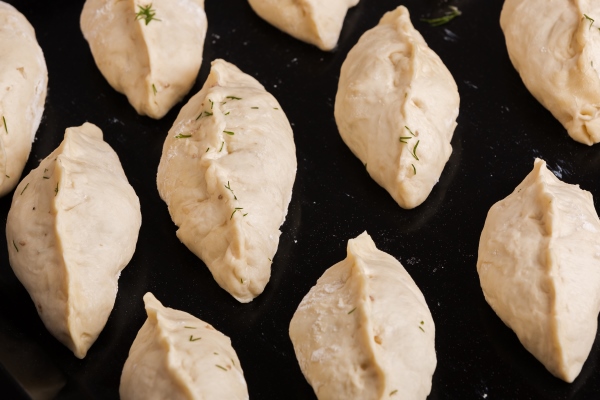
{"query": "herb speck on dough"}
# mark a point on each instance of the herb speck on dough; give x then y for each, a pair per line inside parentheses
(408, 129)
(414, 168)
(5, 127)
(193, 339)
(182, 136)
(229, 133)
(254, 108)
(589, 19)
(16, 248)
(227, 113)
(212, 103)
(25, 188)
(146, 13)
(222, 143)
(403, 139)
(228, 187)
(55, 190)
(207, 149)
(234, 211)
(414, 151)
(154, 89)
(189, 327)
(351, 311)
(393, 392)
(7, 176)
(223, 368)
(450, 15)
(233, 98)
(421, 328)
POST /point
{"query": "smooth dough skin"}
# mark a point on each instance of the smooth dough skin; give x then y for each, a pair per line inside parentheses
(556, 50)
(316, 22)
(226, 173)
(396, 108)
(539, 268)
(71, 229)
(23, 85)
(154, 64)
(177, 356)
(364, 331)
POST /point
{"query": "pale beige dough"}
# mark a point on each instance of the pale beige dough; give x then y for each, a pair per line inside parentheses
(396, 108)
(556, 50)
(23, 86)
(154, 64)
(364, 331)
(177, 356)
(226, 173)
(539, 268)
(71, 229)
(316, 22)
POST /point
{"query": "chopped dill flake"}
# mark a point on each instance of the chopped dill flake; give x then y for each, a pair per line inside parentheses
(55, 190)
(269, 259)
(222, 143)
(146, 13)
(450, 15)
(351, 311)
(227, 113)
(228, 187)
(229, 133)
(189, 327)
(223, 368)
(254, 108)
(46, 177)
(207, 113)
(193, 339)
(215, 353)
(242, 281)
(422, 322)
(45, 169)
(234, 211)
(408, 129)
(16, 248)
(233, 98)
(212, 103)
(414, 151)
(421, 328)
(393, 392)
(589, 19)
(5, 127)
(243, 215)
(207, 149)
(25, 188)
(7, 176)
(182, 136)
(275, 108)
(414, 168)
(154, 89)
(403, 139)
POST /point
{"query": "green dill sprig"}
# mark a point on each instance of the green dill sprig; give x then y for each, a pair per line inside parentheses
(193, 339)
(414, 168)
(420, 327)
(55, 189)
(212, 103)
(227, 113)
(233, 98)
(254, 108)
(5, 127)
(393, 392)
(409, 131)
(228, 187)
(146, 13)
(182, 136)
(25, 188)
(351, 311)
(450, 15)
(154, 89)
(189, 327)
(589, 19)
(16, 248)
(222, 143)
(235, 210)
(414, 150)
(223, 368)
(403, 139)
(229, 133)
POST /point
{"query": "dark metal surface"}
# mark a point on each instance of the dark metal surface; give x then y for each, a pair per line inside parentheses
(501, 128)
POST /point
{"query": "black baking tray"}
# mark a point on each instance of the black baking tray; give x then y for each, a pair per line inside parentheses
(501, 129)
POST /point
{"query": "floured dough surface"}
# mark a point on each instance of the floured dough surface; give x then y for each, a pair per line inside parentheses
(539, 268)
(178, 356)
(316, 22)
(396, 108)
(226, 173)
(23, 86)
(364, 331)
(555, 47)
(71, 229)
(153, 57)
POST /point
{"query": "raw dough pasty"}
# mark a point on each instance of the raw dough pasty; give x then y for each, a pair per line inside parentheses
(149, 50)
(555, 47)
(178, 356)
(71, 229)
(365, 331)
(226, 173)
(23, 84)
(316, 22)
(539, 268)
(396, 108)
